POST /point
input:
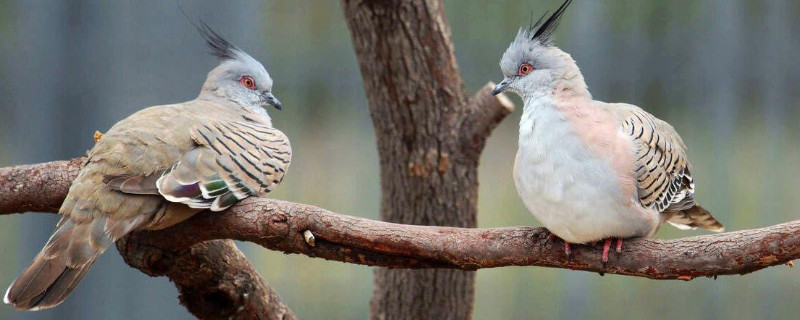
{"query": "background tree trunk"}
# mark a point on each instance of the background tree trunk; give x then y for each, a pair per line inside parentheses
(428, 158)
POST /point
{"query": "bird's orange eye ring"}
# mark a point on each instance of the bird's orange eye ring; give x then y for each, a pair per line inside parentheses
(524, 69)
(248, 82)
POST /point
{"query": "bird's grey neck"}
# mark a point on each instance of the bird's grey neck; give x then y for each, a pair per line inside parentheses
(565, 85)
(539, 117)
(572, 85)
(250, 111)
(538, 101)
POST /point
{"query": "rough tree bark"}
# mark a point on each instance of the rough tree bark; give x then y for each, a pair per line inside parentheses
(428, 144)
(214, 278)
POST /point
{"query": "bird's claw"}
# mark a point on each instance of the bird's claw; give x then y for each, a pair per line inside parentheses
(549, 238)
(607, 248)
(567, 248)
(568, 251)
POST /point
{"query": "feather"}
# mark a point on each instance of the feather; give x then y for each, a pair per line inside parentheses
(134, 184)
(185, 191)
(224, 202)
(663, 176)
(661, 184)
(214, 189)
(542, 31)
(218, 46)
(58, 268)
(693, 218)
(235, 160)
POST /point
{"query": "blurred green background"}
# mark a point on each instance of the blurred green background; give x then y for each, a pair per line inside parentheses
(725, 73)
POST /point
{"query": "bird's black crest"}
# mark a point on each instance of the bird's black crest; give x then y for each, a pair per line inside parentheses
(219, 47)
(543, 31)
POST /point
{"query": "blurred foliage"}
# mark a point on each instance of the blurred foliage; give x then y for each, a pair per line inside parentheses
(722, 72)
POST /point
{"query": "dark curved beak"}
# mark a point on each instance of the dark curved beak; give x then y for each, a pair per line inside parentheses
(271, 100)
(502, 86)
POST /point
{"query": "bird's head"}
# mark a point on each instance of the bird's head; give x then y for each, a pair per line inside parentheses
(238, 78)
(532, 63)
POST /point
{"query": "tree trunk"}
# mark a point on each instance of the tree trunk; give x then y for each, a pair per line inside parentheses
(428, 155)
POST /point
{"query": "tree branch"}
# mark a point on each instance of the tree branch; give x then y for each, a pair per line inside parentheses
(38, 187)
(279, 225)
(486, 111)
(214, 279)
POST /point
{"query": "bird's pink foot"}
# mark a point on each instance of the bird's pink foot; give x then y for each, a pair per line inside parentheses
(567, 250)
(606, 247)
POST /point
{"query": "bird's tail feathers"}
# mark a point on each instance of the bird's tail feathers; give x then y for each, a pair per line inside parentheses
(693, 218)
(59, 267)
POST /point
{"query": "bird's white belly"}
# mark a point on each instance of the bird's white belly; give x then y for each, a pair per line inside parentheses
(572, 192)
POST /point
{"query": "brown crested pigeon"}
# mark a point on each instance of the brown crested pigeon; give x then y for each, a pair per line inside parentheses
(586, 169)
(159, 167)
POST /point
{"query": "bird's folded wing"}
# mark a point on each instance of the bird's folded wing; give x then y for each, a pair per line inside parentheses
(232, 161)
(660, 163)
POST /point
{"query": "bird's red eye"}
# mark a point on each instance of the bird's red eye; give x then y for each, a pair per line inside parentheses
(524, 69)
(248, 82)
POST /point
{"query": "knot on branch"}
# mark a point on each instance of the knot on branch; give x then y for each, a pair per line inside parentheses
(151, 260)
